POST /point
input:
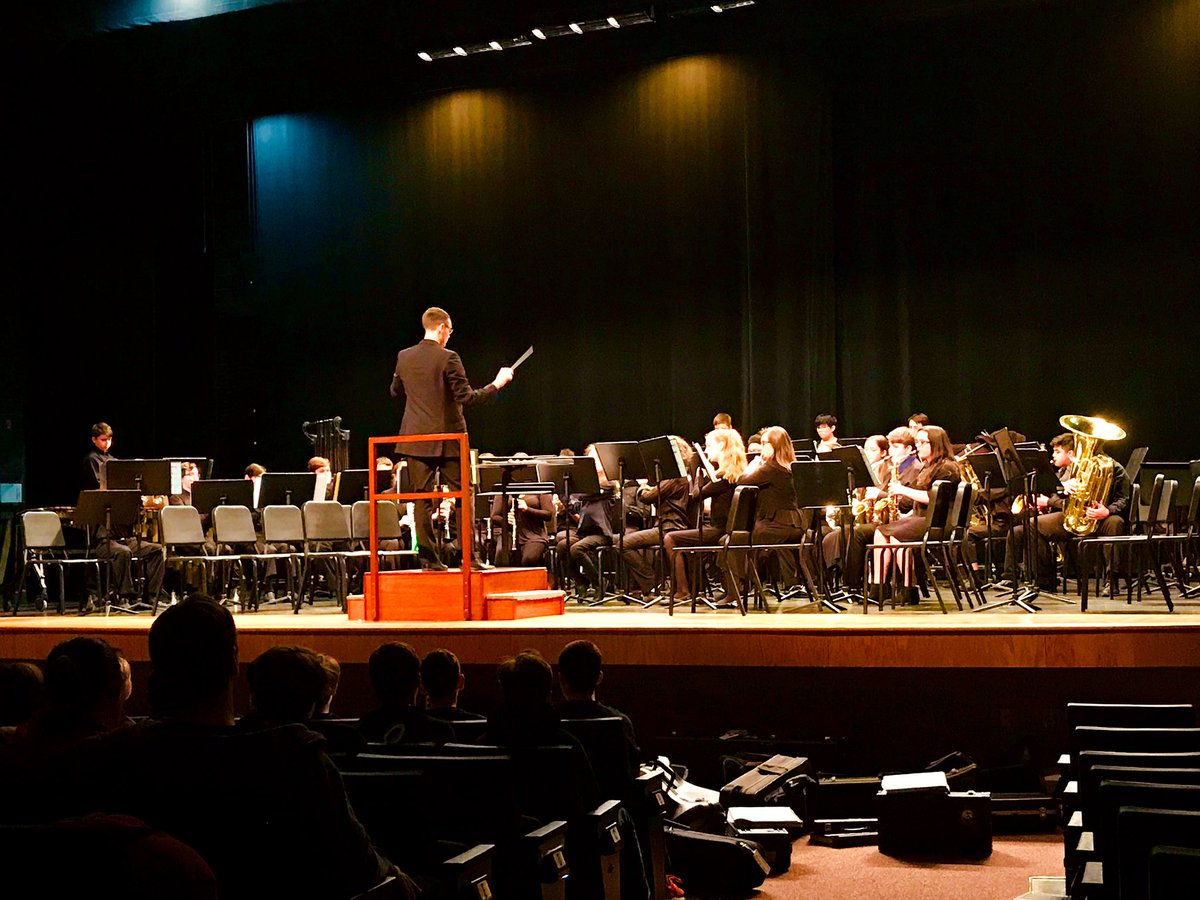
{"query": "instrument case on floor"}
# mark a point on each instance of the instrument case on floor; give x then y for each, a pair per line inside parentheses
(714, 863)
(767, 783)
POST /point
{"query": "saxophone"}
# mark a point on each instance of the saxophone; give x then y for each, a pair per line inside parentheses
(887, 507)
(978, 520)
(1093, 470)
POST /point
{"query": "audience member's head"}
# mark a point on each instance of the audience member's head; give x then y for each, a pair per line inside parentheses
(21, 692)
(84, 683)
(441, 678)
(579, 671)
(286, 684)
(395, 671)
(194, 659)
(333, 676)
(526, 679)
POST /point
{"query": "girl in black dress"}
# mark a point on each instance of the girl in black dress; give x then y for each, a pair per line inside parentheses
(937, 458)
(777, 520)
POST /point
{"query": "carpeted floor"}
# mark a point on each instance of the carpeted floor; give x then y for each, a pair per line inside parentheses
(863, 873)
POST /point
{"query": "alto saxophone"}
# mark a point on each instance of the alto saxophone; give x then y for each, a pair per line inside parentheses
(887, 507)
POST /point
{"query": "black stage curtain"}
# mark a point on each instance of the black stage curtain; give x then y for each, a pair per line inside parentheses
(991, 217)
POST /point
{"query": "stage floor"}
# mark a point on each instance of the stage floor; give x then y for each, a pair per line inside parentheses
(1111, 634)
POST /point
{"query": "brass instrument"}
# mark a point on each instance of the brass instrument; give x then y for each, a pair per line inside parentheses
(887, 507)
(977, 520)
(1093, 470)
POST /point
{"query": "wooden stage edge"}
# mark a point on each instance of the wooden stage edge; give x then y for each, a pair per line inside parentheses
(651, 638)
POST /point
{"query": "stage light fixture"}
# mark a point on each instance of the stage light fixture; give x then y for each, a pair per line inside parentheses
(460, 51)
(539, 34)
(612, 20)
(575, 28)
(495, 45)
(425, 56)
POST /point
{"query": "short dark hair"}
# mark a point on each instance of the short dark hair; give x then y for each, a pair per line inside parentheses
(395, 671)
(579, 665)
(254, 470)
(101, 429)
(825, 419)
(286, 683)
(1066, 440)
(440, 671)
(902, 435)
(526, 679)
(81, 672)
(433, 317)
(919, 418)
(722, 420)
(193, 651)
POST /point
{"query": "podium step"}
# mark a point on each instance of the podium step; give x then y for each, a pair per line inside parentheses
(524, 604)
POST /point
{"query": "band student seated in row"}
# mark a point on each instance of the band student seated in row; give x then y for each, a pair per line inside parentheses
(778, 519)
(826, 426)
(671, 498)
(588, 522)
(1108, 515)
(937, 464)
(123, 544)
(875, 449)
(723, 448)
(901, 466)
(522, 524)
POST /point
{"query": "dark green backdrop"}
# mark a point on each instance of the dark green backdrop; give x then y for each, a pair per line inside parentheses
(989, 216)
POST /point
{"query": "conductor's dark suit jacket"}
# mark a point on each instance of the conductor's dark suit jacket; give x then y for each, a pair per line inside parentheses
(432, 385)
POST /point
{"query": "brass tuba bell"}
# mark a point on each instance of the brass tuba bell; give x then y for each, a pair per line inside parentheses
(1093, 471)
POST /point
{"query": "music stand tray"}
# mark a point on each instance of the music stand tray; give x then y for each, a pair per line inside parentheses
(104, 509)
(621, 459)
(852, 458)
(663, 451)
(585, 480)
(353, 484)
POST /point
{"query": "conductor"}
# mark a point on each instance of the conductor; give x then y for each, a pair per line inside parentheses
(431, 383)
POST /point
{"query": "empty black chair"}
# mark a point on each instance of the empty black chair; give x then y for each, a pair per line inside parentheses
(1139, 832)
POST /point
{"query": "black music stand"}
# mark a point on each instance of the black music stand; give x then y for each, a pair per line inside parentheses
(858, 475)
(819, 484)
(1020, 482)
(663, 457)
(507, 478)
(203, 463)
(108, 510)
(351, 485)
(571, 476)
(625, 460)
(148, 477)
(207, 495)
(986, 467)
(287, 489)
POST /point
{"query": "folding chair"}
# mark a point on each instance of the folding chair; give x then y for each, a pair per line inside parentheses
(325, 525)
(233, 526)
(937, 513)
(45, 546)
(184, 542)
(387, 527)
(1138, 545)
(742, 509)
(283, 526)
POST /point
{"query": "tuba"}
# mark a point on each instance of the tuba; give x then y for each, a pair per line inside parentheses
(1093, 471)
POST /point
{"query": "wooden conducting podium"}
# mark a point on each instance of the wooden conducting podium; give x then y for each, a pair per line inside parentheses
(455, 595)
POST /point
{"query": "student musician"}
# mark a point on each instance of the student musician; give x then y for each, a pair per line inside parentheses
(826, 426)
(672, 498)
(723, 448)
(875, 449)
(778, 519)
(1108, 515)
(589, 527)
(524, 524)
(937, 464)
(902, 459)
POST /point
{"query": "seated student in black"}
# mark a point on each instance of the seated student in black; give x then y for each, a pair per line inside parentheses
(579, 674)
(395, 671)
(253, 804)
(442, 680)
